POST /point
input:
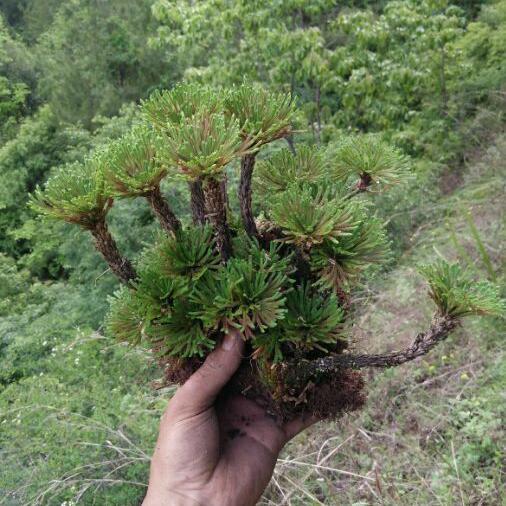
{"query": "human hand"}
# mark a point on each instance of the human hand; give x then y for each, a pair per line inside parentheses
(212, 453)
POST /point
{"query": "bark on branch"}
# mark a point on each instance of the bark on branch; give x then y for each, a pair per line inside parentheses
(217, 214)
(247, 166)
(421, 345)
(107, 246)
(197, 202)
(163, 212)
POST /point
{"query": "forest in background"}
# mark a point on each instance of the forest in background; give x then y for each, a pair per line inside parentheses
(78, 414)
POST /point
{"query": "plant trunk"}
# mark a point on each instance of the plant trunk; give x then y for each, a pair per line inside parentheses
(197, 202)
(164, 213)
(422, 344)
(247, 166)
(217, 215)
(107, 246)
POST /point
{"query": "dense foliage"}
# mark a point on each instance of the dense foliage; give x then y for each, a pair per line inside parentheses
(425, 78)
(285, 286)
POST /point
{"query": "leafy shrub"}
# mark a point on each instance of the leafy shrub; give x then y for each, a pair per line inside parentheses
(282, 281)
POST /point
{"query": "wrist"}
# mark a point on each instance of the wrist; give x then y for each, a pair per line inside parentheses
(169, 498)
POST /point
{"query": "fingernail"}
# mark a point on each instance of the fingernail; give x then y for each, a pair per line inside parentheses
(229, 340)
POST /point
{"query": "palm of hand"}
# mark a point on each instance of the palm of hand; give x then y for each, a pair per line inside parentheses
(223, 455)
(215, 452)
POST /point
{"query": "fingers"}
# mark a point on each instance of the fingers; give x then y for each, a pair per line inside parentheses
(200, 390)
(292, 428)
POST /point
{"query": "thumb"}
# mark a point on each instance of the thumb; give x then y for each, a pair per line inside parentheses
(201, 389)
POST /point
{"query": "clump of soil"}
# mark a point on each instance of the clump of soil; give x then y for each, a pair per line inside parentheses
(325, 398)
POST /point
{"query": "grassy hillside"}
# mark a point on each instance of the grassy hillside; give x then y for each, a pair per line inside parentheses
(431, 433)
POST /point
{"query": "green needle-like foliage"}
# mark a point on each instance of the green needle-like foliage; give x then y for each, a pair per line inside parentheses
(284, 281)
(171, 332)
(339, 262)
(309, 214)
(198, 137)
(157, 293)
(274, 174)
(370, 159)
(269, 259)
(126, 319)
(202, 145)
(189, 254)
(172, 107)
(313, 319)
(133, 309)
(457, 294)
(77, 194)
(263, 116)
(132, 168)
(180, 334)
(241, 296)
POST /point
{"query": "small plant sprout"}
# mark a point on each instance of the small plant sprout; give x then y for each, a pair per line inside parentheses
(281, 272)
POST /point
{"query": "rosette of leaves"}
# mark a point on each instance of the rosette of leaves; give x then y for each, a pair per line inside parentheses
(371, 160)
(171, 107)
(200, 140)
(201, 146)
(79, 194)
(179, 333)
(189, 255)
(159, 300)
(243, 295)
(457, 294)
(313, 320)
(126, 319)
(338, 263)
(274, 174)
(134, 170)
(167, 326)
(263, 116)
(198, 137)
(308, 214)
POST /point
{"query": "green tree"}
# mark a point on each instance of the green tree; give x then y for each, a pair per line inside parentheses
(95, 56)
(16, 83)
(24, 162)
(349, 68)
(12, 105)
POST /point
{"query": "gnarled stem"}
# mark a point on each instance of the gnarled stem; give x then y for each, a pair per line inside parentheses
(197, 202)
(164, 213)
(421, 345)
(247, 166)
(107, 246)
(217, 214)
(364, 182)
